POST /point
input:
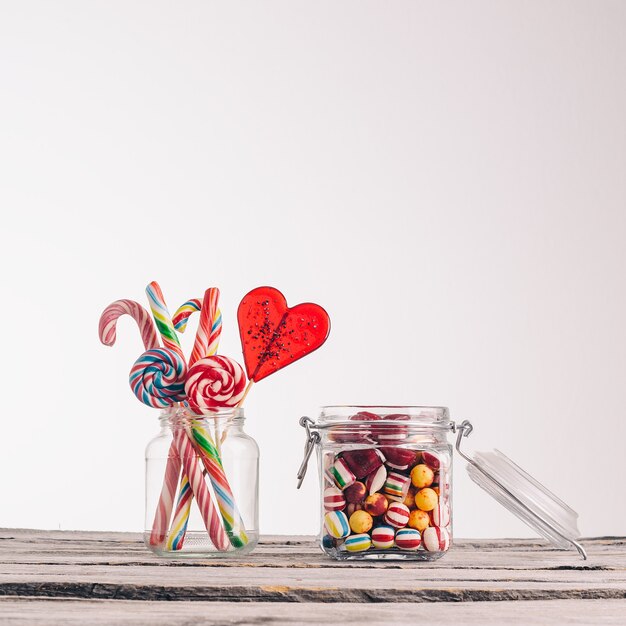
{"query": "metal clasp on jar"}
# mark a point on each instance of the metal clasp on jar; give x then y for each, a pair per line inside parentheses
(312, 438)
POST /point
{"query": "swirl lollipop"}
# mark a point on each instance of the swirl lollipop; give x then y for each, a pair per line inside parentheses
(214, 382)
(158, 378)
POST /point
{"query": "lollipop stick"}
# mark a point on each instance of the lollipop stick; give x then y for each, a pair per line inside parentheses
(245, 393)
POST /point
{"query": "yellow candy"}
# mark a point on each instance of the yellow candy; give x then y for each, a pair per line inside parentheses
(422, 476)
(419, 520)
(426, 499)
(361, 521)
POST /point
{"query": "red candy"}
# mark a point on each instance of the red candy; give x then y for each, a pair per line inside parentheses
(400, 458)
(392, 434)
(431, 460)
(274, 335)
(362, 462)
(355, 492)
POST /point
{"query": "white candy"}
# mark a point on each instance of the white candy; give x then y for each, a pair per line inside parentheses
(435, 539)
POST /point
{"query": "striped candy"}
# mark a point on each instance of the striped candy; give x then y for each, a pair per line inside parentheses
(334, 499)
(223, 493)
(336, 524)
(436, 539)
(383, 537)
(157, 378)
(341, 474)
(206, 335)
(358, 543)
(110, 315)
(440, 515)
(166, 499)
(214, 382)
(162, 318)
(184, 312)
(408, 539)
(397, 515)
(376, 480)
(397, 486)
(193, 469)
(176, 536)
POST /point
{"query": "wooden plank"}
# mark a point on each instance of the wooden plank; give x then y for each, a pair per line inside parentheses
(20, 611)
(292, 569)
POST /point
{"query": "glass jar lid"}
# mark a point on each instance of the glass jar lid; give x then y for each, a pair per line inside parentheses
(522, 495)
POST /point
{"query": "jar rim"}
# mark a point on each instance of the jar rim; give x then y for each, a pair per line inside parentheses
(232, 414)
(414, 416)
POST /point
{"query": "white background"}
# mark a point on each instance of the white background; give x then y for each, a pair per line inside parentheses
(447, 179)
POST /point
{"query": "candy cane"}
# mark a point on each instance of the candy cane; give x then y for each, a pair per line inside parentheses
(166, 499)
(107, 332)
(193, 470)
(202, 344)
(184, 312)
(204, 332)
(162, 318)
(110, 315)
(223, 493)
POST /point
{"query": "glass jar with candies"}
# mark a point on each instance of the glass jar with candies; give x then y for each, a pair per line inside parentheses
(386, 476)
(202, 485)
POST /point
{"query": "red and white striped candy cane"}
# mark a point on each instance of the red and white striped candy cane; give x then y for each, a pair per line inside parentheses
(163, 512)
(110, 315)
(193, 469)
(206, 337)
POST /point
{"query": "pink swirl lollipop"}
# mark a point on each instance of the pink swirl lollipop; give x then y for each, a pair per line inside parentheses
(158, 378)
(214, 382)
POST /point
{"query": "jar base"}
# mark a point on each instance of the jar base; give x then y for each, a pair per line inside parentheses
(384, 555)
(198, 546)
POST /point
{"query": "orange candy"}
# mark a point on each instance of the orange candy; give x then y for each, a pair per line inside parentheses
(419, 520)
(426, 499)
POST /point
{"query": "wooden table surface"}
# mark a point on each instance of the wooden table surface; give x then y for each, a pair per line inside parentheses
(110, 578)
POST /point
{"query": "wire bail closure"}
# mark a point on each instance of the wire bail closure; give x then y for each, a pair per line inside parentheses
(312, 438)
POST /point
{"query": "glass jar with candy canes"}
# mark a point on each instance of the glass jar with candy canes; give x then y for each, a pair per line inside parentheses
(202, 468)
(201, 485)
(385, 476)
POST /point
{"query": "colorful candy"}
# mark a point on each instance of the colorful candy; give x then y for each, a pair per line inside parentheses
(193, 470)
(431, 460)
(274, 335)
(184, 312)
(223, 493)
(390, 434)
(340, 473)
(334, 499)
(397, 515)
(215, 382)
(399, 458)
(375, 480)
(383, 537)
(419, 520)
(426, 499)
(358, 543)
(110, 315)
(356, 492)
(208, 333)
(363, 461)
(422, 476)
(336, 524)
(157, 378)
(361, 521)
(408, 539)
(397, 486)
(166, 500)
(441, 514)
(436, 539)
(376, 504)
(163, 320)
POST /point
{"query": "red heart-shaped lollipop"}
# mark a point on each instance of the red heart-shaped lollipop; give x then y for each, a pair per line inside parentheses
(274, 335)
